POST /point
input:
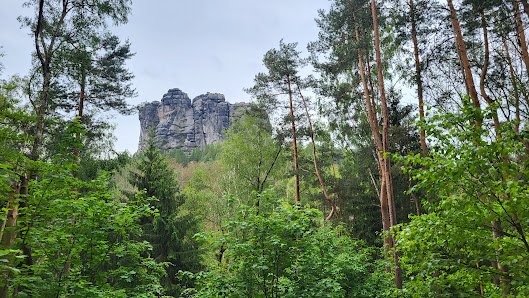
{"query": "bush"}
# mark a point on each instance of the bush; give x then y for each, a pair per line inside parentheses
(277, 250)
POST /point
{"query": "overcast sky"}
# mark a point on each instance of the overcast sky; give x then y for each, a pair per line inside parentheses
(198, 46)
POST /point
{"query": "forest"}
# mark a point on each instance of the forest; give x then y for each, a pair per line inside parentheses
(398, 166)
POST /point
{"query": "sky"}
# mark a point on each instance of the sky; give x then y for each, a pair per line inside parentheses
(198, 46)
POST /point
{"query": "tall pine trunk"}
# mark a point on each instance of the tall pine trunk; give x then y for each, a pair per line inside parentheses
(484, 70)
(514, 84)
(373, 124)
(385, 142)
(521, 34)
(292, 120)
(82, 97)
(463, 54)
(418, 77)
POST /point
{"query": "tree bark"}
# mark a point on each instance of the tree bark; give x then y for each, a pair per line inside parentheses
(514, 84)
(464, 57)
(331, 202)
(521, 34)
(418, 77)
(371, 88)
(82, 97)
(484, 74)
(44, 55)
(385, 142)
(373, 124)
(296, 166)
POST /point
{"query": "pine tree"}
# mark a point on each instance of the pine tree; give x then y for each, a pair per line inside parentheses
(168, 232)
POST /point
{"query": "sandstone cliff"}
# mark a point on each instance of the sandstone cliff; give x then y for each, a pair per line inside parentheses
(180, 123)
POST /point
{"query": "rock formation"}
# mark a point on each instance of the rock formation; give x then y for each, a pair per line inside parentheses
(180, 123)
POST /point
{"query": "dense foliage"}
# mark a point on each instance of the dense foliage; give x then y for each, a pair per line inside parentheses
(478, 189)
(285, 252)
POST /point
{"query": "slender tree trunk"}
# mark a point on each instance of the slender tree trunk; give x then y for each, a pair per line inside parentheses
(82, 97)
(8, 234)
(41, 112)
(461, 68)
(44, 55)
(331, 202)
(523, 46)
(371, 109)
(385, 142)
(484, 74)
(514, 84)
(373, 124)
(521, 34)
(384, 211)
(464, 57)
(418, 77)
(296, 166)
(371, 88)
(46, 82)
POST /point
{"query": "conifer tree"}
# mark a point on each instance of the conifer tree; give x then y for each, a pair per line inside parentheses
(282, 67)
(168, 232)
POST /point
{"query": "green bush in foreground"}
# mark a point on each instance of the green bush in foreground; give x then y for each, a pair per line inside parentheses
(282, 251)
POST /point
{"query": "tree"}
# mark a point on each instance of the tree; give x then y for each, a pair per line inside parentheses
(55, 24)
(465, 64)
(98, 248)
(355, 27)
(251, 155)
(168, 232)
(282, 79)
(412, 20)
(14, 137)
(386, 162)
(476, 180)
(95, 74)
(282, 66)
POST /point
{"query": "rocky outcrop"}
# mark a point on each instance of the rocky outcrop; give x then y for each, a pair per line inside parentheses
(180, 123)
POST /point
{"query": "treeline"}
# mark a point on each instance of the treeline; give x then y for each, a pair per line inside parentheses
(331, 185)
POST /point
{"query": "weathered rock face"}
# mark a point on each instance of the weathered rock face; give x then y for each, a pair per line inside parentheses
(180, 123)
